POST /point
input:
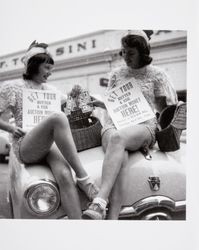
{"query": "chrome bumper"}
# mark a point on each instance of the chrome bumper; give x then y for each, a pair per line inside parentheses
(150, 203)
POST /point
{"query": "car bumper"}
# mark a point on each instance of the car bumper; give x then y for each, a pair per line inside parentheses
(150, 207)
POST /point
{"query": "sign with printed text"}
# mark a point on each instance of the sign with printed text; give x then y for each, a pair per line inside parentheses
(37, 105)
(127, 105)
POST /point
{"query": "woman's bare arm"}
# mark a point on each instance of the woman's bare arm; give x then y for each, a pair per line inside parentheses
(16, 131)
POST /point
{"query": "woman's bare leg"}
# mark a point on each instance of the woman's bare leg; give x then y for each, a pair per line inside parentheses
(119, 188)
(68, 192)
(127, 139)
(37, 143)
(118, 191)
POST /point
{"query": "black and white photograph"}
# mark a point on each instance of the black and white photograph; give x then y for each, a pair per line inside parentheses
(94, 128)
(131, 161)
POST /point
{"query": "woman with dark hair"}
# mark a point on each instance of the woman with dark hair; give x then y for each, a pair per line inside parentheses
(158, 91)
(51, 138)
(141, 46)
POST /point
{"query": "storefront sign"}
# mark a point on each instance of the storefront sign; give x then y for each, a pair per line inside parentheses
(37, 105)
(65, 50)
(127, 105)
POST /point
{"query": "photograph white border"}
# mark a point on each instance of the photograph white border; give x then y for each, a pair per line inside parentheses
(178, 235)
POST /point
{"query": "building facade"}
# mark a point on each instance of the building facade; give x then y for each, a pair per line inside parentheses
(87, 59)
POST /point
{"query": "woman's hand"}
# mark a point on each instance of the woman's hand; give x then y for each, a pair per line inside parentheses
(18, 132)
(97, 103)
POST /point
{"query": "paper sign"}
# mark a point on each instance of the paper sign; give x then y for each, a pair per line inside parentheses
(127, 105)
(37, 105)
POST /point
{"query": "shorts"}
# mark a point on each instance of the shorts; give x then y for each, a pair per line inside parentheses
(16, 144)
(151, 125)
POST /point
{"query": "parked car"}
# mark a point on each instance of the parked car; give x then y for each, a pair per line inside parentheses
(156, 188)
(4, 146)
(5, 138)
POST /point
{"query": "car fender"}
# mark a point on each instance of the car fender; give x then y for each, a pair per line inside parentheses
(21, 176)
(4, 144)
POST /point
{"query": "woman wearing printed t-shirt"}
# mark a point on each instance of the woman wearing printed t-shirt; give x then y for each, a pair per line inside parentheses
(38, 143)
(158, 92)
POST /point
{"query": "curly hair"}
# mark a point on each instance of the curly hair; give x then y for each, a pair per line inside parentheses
(134, 41)
(34, 63)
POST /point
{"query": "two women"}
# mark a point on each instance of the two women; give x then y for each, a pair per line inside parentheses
(39, 142)
(158, 91)
(51, 138)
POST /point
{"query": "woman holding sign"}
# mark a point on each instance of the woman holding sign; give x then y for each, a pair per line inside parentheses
(151, 88)
(38, 143)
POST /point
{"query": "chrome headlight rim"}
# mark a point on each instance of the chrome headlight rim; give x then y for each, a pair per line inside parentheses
(32, 187)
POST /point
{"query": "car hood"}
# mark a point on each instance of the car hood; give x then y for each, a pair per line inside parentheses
(168, 167)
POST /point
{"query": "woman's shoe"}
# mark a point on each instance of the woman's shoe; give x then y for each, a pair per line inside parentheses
(94, 212)
(89, 187)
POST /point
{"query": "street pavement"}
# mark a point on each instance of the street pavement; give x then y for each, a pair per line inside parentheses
(4, 205)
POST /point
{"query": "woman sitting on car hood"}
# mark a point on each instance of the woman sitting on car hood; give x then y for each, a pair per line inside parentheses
(51, 138)
(158, 92)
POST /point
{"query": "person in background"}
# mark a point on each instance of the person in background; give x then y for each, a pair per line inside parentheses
(159, 92)
(51, 138)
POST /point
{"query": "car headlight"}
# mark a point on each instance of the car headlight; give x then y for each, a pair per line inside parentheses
(42, 197)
